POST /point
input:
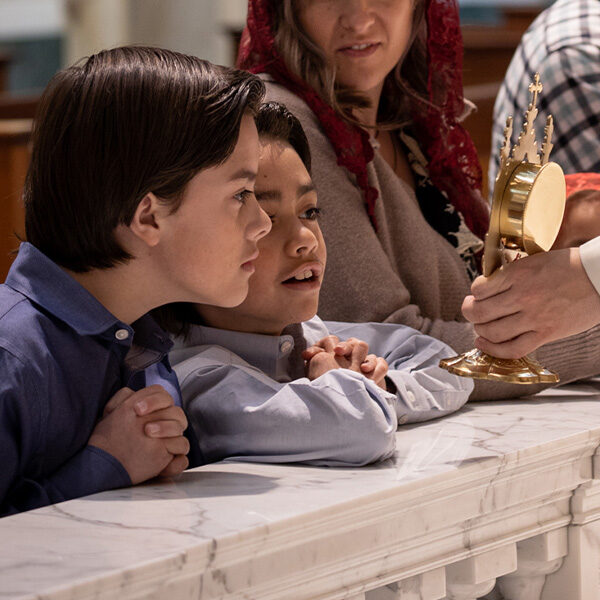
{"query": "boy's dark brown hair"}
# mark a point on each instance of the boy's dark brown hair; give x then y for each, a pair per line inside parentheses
(274, 122)
(124, 123)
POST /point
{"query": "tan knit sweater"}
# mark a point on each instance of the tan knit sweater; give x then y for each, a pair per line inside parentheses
(405, 272)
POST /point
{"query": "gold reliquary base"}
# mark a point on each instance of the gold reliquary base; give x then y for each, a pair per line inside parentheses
(478, 365)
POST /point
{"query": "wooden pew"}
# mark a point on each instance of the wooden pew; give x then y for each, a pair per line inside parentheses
(5, 60)
(18, 106)
(14, 160)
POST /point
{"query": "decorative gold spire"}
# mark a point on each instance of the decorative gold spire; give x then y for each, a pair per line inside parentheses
(527, 144)
(547, 145)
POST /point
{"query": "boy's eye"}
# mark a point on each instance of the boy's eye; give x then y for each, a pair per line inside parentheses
(312, 214)
(243, 195)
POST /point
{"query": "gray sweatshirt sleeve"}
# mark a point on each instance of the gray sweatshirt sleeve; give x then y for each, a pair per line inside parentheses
(338, 419)
(424, 391)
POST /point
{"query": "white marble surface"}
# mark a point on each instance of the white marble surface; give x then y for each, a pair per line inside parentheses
(490, 475)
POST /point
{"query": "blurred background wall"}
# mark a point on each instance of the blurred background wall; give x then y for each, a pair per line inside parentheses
(37, 37)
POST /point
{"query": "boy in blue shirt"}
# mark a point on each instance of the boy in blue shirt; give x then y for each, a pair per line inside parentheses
(138, 194)
(268, 380)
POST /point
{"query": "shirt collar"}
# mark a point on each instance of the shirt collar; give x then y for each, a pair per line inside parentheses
(269, 353)
(41, 280)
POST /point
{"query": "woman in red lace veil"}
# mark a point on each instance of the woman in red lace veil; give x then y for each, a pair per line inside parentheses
(396, 174)
(453, 164)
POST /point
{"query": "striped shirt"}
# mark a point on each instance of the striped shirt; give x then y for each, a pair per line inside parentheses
(563, 46)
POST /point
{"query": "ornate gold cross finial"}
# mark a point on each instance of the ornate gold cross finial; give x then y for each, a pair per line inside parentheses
(527, 146)
(535, 88)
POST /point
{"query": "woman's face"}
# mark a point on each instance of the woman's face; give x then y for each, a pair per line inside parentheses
(362, 39)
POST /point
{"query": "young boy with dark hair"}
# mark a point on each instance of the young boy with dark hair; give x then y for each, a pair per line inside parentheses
(268, 380)
(139, 193)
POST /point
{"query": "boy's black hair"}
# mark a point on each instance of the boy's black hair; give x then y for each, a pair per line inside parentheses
(124, 123)
(275, 121)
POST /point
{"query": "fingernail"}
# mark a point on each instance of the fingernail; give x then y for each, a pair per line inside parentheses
(152, 428)
(141, 407)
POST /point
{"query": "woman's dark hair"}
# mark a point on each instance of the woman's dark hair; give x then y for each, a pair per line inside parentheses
(124, 123)
(275, 121)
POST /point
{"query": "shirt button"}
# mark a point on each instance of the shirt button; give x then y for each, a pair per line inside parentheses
(121, 334)
(402, 419)
(285, 346)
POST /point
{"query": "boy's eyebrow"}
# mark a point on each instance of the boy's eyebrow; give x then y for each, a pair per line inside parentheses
(243, 174)
(275, 195)
(306, 189)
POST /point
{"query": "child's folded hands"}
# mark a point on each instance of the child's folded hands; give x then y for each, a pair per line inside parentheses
(144, 430)
(331, 353)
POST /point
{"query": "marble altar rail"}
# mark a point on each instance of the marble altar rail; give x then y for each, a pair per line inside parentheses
(500, 499)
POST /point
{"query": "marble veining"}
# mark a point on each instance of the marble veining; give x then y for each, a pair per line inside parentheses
(494, 468)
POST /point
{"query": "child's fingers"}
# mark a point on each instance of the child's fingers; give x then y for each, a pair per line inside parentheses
(152, 401)
(177, 445)
(171, 413)
(360, 350)
(311, 352)
(163, 429)
(343, 349)
(369, 363)
(176, 466)
(380, 371)
(328, 343)
(117, 400)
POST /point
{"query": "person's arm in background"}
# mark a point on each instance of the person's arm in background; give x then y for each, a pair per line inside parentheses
(536, 300)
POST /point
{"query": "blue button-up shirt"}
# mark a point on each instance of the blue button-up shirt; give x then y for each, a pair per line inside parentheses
(247, 397)
(62, 357)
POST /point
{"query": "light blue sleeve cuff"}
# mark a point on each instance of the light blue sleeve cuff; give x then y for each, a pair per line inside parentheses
(590, 259)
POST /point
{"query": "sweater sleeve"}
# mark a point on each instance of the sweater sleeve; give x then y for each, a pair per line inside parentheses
(365, 284)
(424, 391)
(237, 412)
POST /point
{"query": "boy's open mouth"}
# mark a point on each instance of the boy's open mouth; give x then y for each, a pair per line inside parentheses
(307, 277)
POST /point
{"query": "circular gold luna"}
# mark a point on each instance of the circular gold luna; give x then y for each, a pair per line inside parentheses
(478, 365)
(532, 207)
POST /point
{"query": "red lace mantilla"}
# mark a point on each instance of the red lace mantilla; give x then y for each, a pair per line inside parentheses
(453, 164)
(577, 182)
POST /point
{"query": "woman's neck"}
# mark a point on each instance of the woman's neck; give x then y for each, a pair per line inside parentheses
(368, 116)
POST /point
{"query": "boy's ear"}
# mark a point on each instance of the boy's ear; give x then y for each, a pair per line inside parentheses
(146, 221)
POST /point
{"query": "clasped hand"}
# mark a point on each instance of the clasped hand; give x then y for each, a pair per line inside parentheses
(144, 430)
(331, 353)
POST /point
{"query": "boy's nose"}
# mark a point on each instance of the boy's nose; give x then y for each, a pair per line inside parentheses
(260, 224)
(304, 242)
(357, 16)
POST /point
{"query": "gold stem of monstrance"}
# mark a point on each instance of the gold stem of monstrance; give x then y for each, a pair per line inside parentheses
(527, 210)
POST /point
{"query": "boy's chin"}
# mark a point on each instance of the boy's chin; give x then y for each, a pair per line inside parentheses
(305, 315)
(233, 299)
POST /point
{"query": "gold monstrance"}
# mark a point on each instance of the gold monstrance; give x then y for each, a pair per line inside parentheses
(527, 210)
